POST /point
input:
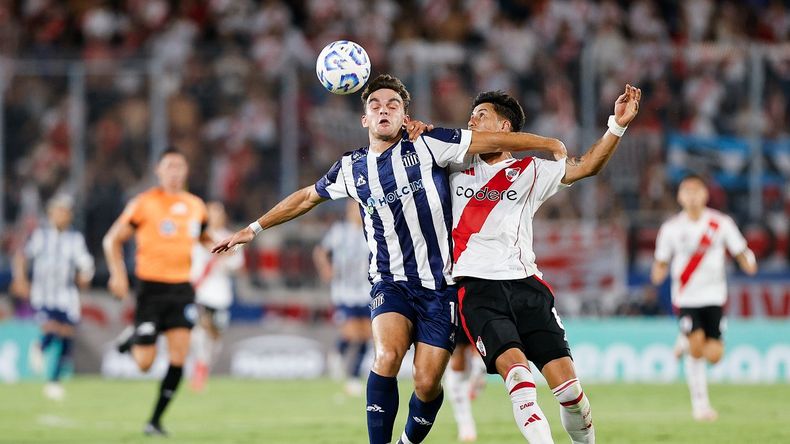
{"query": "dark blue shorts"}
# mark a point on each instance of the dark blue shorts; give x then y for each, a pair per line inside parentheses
(345, 312)
(434, 313)
(48, 314)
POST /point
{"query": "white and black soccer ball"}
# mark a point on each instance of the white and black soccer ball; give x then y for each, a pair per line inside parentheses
(343, 67)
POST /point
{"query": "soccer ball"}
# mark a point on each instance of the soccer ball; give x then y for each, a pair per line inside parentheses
(343, 67)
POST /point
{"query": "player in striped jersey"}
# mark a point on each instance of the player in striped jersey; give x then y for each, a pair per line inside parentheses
(60, 261)
(695, 241)
(342, 261)
(403, 191)
(507, 310)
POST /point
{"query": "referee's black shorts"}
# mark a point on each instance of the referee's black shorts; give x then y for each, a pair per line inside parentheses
(500, 315)
(161, 307)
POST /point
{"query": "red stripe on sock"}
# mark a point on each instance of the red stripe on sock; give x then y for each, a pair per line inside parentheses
(522, 385)
(517, 365)
(575, 401)
(564, 386)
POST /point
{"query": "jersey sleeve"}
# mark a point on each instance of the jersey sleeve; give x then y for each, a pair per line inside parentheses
(34, 245)
(82, 257)
(733, 239)
(333, 184)
(663, 251)
(133, 214)
(447, 146)
(549, 179)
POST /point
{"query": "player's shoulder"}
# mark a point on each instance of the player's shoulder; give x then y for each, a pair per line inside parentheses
(355, 155)
(449, 135)
(719, 216)
(677, 219)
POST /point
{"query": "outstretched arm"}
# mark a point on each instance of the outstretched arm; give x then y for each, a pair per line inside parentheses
(289, 208)
(592, 162)
(497, 142)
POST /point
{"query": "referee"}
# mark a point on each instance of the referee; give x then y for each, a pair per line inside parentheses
(166, 222)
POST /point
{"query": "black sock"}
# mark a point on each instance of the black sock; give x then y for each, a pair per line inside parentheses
(63, 357)
(166, 391)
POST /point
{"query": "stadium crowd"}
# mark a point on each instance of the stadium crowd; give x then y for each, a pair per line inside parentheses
(225, 61)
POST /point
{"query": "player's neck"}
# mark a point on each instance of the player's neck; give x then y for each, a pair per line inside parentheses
(379, 145)
(171, 190)
(493, 158)
(695, 213)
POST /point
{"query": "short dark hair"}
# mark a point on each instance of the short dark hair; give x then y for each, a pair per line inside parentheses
(170, 150)
(386, 81)
(505, 105)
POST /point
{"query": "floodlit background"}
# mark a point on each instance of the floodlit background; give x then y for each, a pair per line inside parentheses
(91, 91)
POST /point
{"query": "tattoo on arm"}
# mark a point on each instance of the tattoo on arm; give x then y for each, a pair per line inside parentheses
(573, 161)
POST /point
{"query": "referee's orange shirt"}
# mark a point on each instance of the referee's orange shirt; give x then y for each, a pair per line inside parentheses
(166, 228)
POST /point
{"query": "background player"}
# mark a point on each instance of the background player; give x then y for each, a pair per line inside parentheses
(61, 262)
(404, 190)
(695, 241)
(464, 377)
(166, 221)
(507, 310)
(342, 261)
(212, 278)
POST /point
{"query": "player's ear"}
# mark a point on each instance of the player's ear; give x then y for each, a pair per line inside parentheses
(406, 119)
(364, 121)
(505, 125)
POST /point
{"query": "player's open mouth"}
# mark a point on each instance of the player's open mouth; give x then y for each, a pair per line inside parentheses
(384, 122)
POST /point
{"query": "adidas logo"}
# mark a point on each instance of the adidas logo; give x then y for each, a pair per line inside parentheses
(421, 421)
(375, 408)
(532, 419)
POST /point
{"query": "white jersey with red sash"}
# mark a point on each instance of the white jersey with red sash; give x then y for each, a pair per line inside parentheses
(493, 207)
(211, 274)
(697, 252)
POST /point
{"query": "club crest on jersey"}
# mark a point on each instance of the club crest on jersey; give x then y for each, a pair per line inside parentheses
(410, 159)
(480, 346)
(361, 180)
(511, 174)
(167, 228)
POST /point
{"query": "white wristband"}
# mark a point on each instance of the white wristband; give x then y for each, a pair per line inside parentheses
(615, 128)
(255, 227)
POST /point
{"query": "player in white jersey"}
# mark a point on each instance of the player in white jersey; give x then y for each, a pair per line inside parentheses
(692, 247)
(507, 310)
(342, 261)
(402, 187)
(212, 278)
(61, 262)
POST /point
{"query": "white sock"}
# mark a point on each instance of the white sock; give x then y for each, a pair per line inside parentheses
(697, 379)
(201, 345)
(457, 389)
(530, 419)
(575, 412)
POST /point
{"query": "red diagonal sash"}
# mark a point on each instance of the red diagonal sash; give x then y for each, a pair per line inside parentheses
(696, 258)
(476, 211)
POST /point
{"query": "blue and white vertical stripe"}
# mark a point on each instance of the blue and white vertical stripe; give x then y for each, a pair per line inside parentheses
(404, 193)
(57, 258)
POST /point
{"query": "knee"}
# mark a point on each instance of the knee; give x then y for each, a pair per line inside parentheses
(387, 362)
(427, 387)
(714, 354)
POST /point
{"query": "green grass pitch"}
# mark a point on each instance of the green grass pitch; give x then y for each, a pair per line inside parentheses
(296, 412)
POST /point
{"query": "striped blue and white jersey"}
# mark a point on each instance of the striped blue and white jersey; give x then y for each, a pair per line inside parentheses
(57, 257)
(349, 251)
(404, 194)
